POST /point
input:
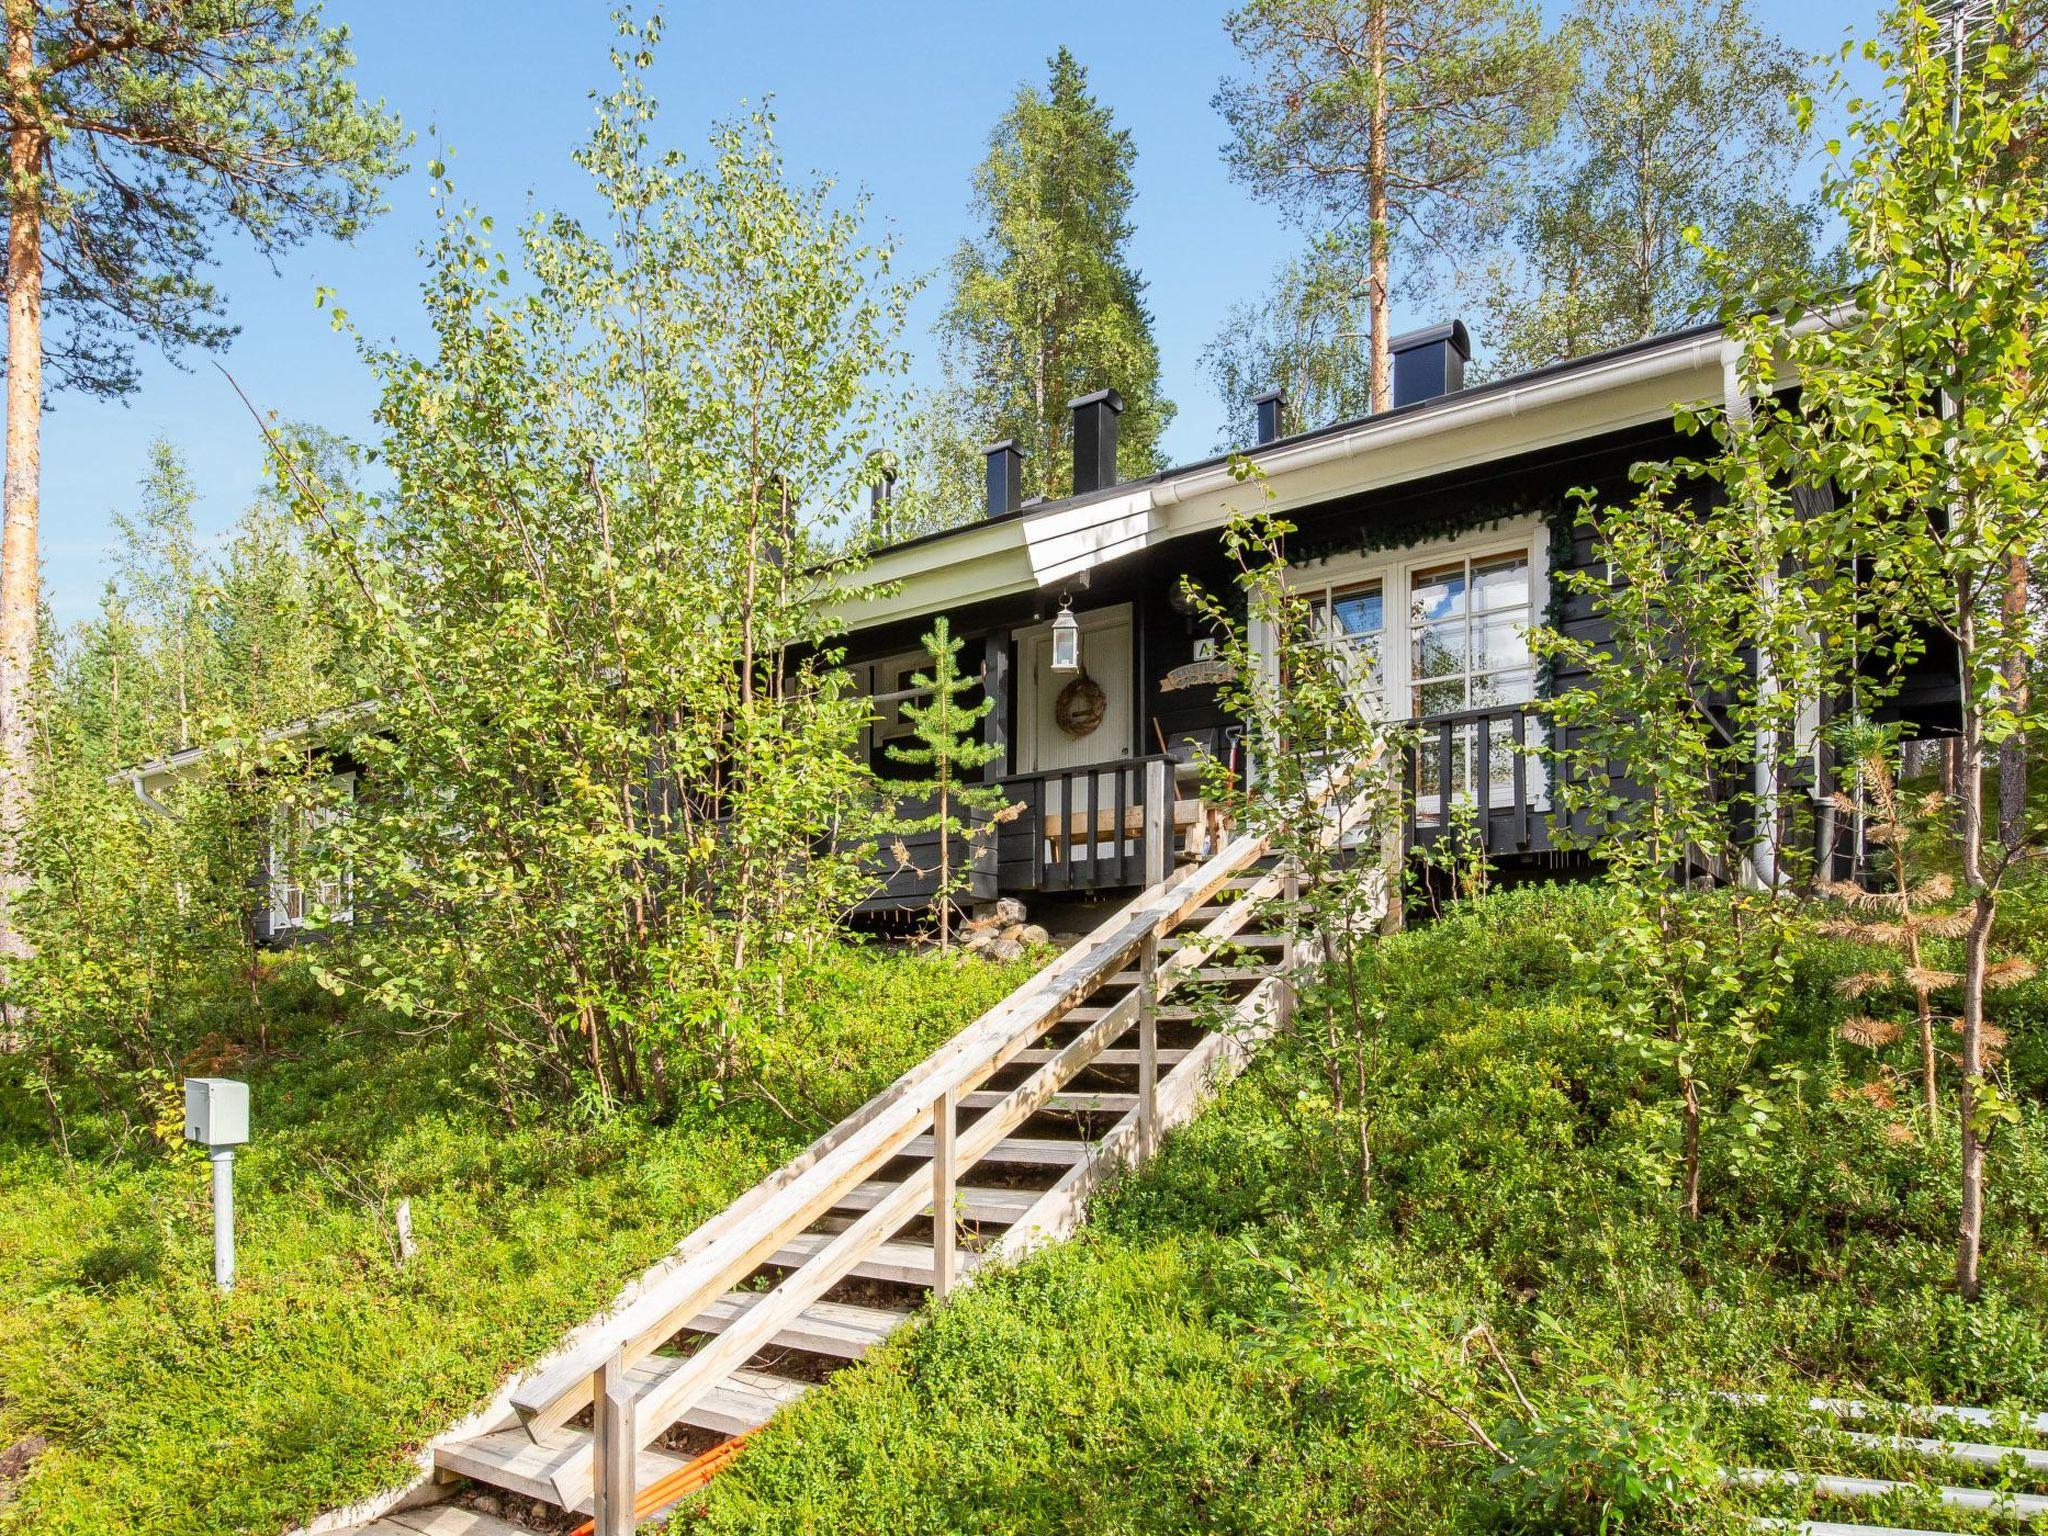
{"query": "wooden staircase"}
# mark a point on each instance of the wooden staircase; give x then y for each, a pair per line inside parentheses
(979, 1154)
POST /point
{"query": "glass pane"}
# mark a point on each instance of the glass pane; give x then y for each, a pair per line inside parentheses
(1440, 698)
(1500, 583)
(1438, 593)
(1500, 644)
(1493, 688)
(1359, 611)
(1440, 650)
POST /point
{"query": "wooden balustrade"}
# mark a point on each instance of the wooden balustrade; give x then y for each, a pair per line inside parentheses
(1494, 761)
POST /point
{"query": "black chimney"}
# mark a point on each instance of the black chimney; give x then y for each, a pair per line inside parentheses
(1005, 476)
(1272, 409)
(1095, 440)
(882, 495)
(1430, 362)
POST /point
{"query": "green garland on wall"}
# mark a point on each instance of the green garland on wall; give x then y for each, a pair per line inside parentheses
(1559, 513)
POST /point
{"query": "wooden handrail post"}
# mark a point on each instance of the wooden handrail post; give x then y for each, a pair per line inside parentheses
(943, 1172)
(615, 1449)
(1159, 793)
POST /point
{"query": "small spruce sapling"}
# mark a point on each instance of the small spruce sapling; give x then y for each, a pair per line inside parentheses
(943, 726)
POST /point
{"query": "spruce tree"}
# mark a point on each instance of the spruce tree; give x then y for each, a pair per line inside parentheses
(1046, 305)
(943, 726)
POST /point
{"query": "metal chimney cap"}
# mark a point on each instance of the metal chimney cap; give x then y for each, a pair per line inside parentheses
(1108, 397)
(1008, 443)
(1452, 331)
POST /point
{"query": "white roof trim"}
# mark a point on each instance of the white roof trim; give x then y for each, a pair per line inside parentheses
(1056, 544)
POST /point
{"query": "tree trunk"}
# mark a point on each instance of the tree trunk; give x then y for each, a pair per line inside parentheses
(1379, 278)
(1970, 786)
(2012, 752)
(20, 586)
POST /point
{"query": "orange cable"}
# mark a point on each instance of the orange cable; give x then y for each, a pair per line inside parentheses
(671, 1486)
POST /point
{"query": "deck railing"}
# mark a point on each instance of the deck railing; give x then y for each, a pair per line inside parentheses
(1085, 829)
(1493, 761)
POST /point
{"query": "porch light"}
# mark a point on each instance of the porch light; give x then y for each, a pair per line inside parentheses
(1066, 639)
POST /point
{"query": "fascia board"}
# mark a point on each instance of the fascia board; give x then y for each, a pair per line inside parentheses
(1040, 549)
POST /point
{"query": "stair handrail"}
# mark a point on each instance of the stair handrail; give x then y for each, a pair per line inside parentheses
(792, 1199)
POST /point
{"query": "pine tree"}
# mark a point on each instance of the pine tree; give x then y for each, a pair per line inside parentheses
(1397, 121)
(1046, 305)
(944, 728)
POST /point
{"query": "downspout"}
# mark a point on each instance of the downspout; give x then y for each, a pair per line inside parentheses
(1762, 869)
(148, 800)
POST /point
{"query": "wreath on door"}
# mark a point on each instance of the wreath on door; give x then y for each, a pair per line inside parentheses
(1080, 706)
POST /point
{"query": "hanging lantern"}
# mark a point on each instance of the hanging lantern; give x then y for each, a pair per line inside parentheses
(1066, 639)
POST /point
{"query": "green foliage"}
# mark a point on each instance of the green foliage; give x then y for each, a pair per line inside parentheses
(172, 1411)
(1046, 305)
(137, 915)
(1240, 1343)
(1322, 789)
(611, 799)
(155, 126)
(1678, 129)
(943, 723)
(1920, 402)
(1301, 338)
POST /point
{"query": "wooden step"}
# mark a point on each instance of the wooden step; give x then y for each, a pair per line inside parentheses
(1967, 1451)
(1079, 1101)
(511, 1459)
(1092, 1015)
(1031, 1151)
(1240, 941)
(902, 1263)
(440, 1520)
(1834, 1528)
(1114, 1057)
(834, 1328)
(997, 1206)
(1219, 973)
(2021, 1506)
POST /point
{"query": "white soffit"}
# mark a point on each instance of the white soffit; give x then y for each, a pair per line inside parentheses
(1047, 547)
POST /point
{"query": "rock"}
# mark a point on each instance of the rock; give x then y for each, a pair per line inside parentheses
(1009, 912)
(1031, 936)
(487, 1504)
(972, 938)
(1004, 950)
(15, 1459)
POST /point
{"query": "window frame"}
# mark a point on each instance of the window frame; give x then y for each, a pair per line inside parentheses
(283, 884)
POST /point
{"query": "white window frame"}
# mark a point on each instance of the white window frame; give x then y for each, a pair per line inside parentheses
(1395, 570)
(289, 903)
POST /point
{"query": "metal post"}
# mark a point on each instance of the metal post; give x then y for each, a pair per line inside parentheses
(615, 1450)
(942, 1195)
(223, 1160)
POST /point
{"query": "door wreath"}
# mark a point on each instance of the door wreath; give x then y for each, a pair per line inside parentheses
(1080, 706)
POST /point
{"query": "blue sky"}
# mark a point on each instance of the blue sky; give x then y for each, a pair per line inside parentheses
(893, 98)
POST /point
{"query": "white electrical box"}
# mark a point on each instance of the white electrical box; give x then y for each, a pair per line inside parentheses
(216, 1111)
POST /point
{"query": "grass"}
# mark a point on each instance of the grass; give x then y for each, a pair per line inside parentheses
(1243, 1341)
(170, 1410)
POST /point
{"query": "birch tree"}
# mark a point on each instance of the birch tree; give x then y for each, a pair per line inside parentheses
(138, 131)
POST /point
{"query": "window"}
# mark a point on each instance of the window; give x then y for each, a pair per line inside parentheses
(1440, 632)
(1353, 618)
(305, 885)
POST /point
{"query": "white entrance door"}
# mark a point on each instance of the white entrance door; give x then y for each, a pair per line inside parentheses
(1106, 658)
